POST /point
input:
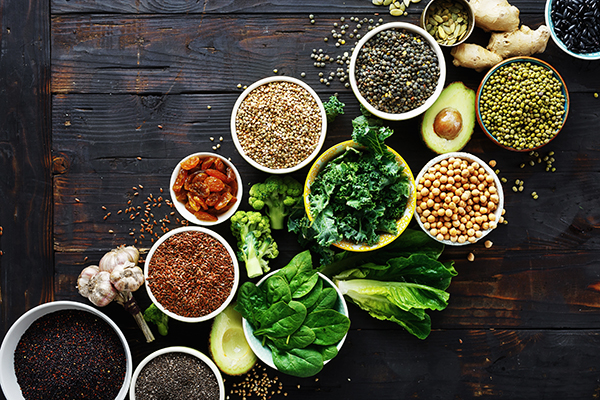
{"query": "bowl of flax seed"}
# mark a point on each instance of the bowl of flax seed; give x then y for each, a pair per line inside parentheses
(191, 274)
(278, 124)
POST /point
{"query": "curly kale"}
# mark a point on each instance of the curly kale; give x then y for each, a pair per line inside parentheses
(333, 107)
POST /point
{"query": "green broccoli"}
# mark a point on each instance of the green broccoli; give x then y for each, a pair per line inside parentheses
(333, 107)
(254, 241)
(280, 194)
(155, 315)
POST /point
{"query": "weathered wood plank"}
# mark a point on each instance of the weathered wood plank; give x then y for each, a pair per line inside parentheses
(183, 54)
(26, 267)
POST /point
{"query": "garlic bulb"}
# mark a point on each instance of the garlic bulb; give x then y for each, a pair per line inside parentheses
(101, 290)
(119, 256)
(127, 277)
(83, 281)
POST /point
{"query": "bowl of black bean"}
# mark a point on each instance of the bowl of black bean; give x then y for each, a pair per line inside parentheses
(397, 71)
(575, 27)
(61, 348)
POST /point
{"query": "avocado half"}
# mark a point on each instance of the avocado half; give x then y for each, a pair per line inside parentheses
(448, 124)
(228, 346)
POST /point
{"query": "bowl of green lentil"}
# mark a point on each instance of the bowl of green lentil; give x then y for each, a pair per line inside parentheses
(177, 373)
(73, 339)
(397, 71)
(278, 124)
(522, 104)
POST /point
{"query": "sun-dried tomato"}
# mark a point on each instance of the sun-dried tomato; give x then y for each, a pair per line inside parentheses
(214, 184)
(190, 163)
(180, 180)
(204, 216)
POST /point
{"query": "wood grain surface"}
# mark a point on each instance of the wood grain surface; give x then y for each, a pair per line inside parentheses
(100, 100)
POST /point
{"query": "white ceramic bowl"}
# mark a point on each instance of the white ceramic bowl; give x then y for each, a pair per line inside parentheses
(178, 349)
(441, 62)
(489, 171)
(8, 379)
(191, 217)
(264, 353)
(236, 270)
(235, 138)
(559, 43)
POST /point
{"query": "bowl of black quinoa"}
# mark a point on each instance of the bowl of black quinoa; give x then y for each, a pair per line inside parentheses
(575, 27)
(397, 71)
(177, 373)
(65, 349)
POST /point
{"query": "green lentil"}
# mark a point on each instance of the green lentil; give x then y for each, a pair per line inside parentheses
(522, 105)
(396, 71)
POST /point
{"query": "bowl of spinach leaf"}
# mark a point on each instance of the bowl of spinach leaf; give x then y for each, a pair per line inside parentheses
(294, 319)
(360, 195)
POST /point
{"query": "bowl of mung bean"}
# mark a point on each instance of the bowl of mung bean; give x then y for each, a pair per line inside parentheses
(191, 273)
(522, 104)
(78, 342)
(206, 188)
(278, 124)
(397, 71)
(177, 373)
(459, 199)
(450, 22)
(575, 27)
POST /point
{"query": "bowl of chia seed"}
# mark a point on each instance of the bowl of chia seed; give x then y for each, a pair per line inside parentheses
(278, 124)
(72, 339)
(522, 104)
(397, 71)
(575, 27)
(177, 373)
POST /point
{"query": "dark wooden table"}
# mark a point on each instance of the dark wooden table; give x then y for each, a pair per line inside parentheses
(99, 97)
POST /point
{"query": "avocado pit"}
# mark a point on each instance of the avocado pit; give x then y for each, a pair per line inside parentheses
(448, 123)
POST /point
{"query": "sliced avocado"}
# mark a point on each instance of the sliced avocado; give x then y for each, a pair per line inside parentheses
(228, 346)
(448, 124)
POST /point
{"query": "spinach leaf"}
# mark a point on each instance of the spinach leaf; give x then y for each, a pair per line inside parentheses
(277, 290)
(329, 326)
(311, 298)
(297, 362)
(326, 300)
(300, 274)
(328, 352)
(251, 303)
(301, 338)
(282, 319)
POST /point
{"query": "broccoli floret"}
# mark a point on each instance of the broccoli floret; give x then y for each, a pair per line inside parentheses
(280, 194)
(156, 316)
(254, 241)
(333, 108)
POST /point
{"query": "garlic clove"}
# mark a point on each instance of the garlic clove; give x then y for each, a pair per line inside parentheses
(102, 291)
(118, 256)
(84, 279)
(127, 277)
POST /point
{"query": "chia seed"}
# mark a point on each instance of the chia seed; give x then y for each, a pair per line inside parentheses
(396, 71)
(70, 354)
(176, 376)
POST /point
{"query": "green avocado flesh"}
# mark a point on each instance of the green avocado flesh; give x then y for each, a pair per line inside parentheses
(448, 124)
(228, 346)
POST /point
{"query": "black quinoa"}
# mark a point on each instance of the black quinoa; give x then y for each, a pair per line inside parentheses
(577, 24)
(176, 376)
(70, 355)
(397, 71)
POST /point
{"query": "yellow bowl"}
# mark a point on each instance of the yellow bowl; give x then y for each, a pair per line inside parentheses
(384, 238)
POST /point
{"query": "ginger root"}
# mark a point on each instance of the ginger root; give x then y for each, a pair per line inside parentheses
(522, 42)
(473, 56)
(495, 15)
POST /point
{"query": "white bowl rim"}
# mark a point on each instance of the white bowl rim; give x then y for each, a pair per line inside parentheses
(188, 215)
(240, 99)
(582, 56)
(441, 63)
(250, 336)
(178, 349)
(488, 169)
(8, 379)
(236, 272)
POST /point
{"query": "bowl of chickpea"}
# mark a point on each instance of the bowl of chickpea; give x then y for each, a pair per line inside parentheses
(459, 199)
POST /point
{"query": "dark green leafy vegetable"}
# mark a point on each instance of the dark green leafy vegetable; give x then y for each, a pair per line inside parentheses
(155, 315)
(333, 107)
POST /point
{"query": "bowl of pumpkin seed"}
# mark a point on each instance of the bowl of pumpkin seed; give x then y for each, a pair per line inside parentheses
(450, 22)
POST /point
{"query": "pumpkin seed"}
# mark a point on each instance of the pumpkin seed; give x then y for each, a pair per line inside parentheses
(402, 7)
(442, 33)
(438, 19)
(415, 1)
(387, 2)
(377, 2)
(406, 3)
(396, 12)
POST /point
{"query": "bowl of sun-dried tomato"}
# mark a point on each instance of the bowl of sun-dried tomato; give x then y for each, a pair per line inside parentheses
(206, 188)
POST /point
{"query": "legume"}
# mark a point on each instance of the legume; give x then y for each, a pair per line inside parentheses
(396, 71)
(191, 274)
(278, 124)
(176, 376)
(70, 354)
(577, 24)
(522, 105)
(457, 200)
